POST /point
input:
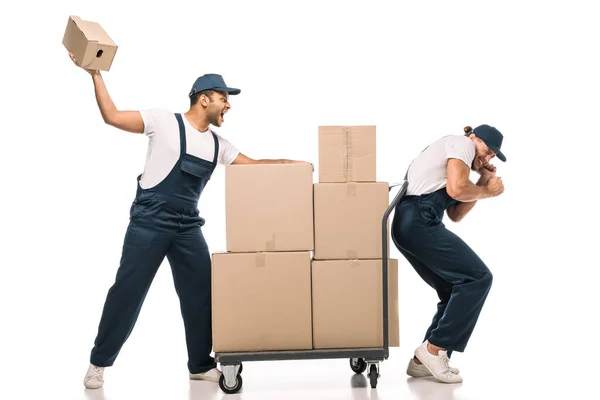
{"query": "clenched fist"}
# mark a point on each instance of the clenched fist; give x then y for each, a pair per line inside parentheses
(495, 186)
(487, 170)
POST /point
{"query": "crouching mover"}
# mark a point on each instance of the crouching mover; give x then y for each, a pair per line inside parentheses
(438, 182)
(165, 222)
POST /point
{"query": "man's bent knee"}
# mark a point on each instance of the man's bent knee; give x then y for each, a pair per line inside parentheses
(487, 279)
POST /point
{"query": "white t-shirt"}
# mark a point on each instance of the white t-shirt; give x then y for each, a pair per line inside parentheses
(162, 129)
(428, 173)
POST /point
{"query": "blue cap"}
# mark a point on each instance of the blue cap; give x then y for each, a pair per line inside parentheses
(212, 82)
(492, 138)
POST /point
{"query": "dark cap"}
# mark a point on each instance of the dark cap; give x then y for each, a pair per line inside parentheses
(212, 82)
(492, 138)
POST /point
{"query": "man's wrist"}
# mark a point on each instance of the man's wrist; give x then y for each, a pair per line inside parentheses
(483, 180)
(485, 191)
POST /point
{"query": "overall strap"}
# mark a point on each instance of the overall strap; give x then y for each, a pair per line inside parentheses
(182, 147)
(216, 156)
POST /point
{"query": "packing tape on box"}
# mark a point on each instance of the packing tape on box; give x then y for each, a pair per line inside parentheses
(348, 160)
(350, 189)
(270, 244)
(260, 260)
(346, 151)
(354, 262)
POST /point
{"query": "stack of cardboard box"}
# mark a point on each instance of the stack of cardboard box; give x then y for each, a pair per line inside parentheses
(269, 292)
(261, 287)
(349, 204)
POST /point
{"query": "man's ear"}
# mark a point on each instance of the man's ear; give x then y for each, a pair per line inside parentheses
(204, 100)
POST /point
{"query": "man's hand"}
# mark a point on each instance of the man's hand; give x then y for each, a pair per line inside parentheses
(486, 171)
(89, 71)
(488, 168)
(304, 162)
(495, 186)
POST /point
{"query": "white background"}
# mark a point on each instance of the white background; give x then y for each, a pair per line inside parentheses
(418, 70)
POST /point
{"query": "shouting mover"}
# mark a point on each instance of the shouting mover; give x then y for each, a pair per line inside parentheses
(165, 222)
(438, 182)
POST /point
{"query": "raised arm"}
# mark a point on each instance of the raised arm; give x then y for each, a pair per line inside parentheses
(130, 121)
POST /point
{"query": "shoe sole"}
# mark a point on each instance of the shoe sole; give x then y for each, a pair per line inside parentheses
(93, 387)
(205, 379)
(417, 373)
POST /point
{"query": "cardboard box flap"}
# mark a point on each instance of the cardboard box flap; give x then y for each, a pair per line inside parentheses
(94, 32)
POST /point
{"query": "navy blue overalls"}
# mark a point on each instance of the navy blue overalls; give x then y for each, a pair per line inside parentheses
(164, 221)
(446, 263)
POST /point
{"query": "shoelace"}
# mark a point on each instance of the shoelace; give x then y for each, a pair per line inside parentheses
(96, 373)
(446, 363)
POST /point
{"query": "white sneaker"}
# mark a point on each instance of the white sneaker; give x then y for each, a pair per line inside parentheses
(417, 370)
(213, 375)
(439, 365)
(94, 379)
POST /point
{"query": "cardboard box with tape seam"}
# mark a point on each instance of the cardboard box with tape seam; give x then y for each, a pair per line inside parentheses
(348, 220)
(269, 207)
(347, 154)
(89, 43)
(347, 301)
(261, 301)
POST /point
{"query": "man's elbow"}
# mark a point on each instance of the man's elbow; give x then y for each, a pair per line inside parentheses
(451, 213)
(455, 218)
(109, 118)
(454, 192)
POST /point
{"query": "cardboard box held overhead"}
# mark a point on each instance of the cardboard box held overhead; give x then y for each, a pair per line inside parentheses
(347, 154)
(261, 301)
(90, 45)
(348, 220)
(269, 207)
(348, 304)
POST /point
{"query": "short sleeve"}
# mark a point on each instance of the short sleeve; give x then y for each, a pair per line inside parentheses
(152, 119)
(227, 152)
(462, 148)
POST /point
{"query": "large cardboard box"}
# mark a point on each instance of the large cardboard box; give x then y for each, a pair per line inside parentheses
(90, 45)
(261, 301)
(347, 297)
(348, 220)
(347, 154)
(269, 207)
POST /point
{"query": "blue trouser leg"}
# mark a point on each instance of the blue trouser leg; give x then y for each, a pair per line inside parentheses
(143, 252)
(447, 256)
(443, 289)
(191, 267)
